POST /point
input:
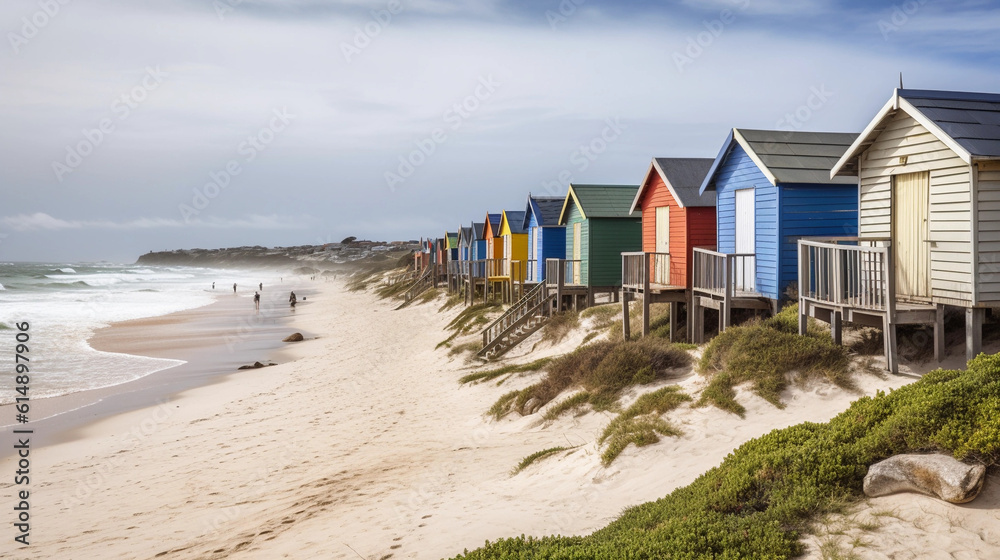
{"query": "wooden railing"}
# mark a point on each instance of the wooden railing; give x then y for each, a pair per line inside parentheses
(532, 268)
(476, 268)
(424, 281)
(567, 269)
(847, 271)
(640, 269)
(724, 274)
(494, 268)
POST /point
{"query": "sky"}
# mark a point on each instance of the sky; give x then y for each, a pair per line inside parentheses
(138, 126)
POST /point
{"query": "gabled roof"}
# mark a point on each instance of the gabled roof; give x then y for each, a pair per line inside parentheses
(787, 156)
(600, 201)
(966, 122)
(512, 221)
(492, 224)
(478, 231)
(451, 240)
(546, 210)
(464, 235)
(683, 177)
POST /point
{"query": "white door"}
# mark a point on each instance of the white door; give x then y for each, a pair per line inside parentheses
(507, 249)
(660, 273)
(536, 251)
(746, 240)
(909, 219)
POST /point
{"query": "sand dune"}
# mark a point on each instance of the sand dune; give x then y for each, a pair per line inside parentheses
(367, 446)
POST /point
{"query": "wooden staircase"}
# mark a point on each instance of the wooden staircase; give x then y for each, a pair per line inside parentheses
(420, 285)
(522, 319)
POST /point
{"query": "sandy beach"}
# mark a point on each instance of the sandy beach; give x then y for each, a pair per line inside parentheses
(361, 443)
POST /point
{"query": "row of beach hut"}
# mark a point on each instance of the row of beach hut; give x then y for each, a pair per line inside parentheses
(883, 228)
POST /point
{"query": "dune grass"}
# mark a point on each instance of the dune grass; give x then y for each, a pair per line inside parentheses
(490, 374)
(559, 326)
(572, 404)
(641, 423)
(764, 354)
(659, 320)
(758, 501)
(471, 319)
(527, 461)
(603, 369)
(455, 350)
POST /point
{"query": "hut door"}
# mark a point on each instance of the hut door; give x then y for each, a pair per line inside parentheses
(576, 252)
(660, 273)
(909, 219)
(537, 254)
(746, 240)
(507, 254)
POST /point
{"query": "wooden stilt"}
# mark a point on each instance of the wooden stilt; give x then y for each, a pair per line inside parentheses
(803, 319)
(973, 331)
(625, 318)
(698, 319)
(939, 349)
(645, 314)
(675, 311)
(690, 318)
(836, 327)
(891, 356)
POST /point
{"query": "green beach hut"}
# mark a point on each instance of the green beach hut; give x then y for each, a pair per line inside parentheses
(599, 229)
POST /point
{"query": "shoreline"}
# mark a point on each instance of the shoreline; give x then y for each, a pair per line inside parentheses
(211, 341)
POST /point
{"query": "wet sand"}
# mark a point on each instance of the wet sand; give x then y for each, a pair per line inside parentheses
(213, 341)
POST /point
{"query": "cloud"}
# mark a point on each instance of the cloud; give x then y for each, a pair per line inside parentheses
(40, 221)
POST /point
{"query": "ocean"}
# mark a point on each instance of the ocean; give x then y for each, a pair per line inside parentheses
(65, 302)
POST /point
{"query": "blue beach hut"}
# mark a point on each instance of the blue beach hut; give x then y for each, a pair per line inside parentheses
(772, 187)
(546, 238)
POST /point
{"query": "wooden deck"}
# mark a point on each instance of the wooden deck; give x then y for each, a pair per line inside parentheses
(724, 282)
(853, 280)
(646, 276)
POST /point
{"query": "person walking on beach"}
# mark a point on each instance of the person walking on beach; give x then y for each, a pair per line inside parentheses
(234, 287)
(213, 285)
(256, 300)
(260, 286)
(291, 300)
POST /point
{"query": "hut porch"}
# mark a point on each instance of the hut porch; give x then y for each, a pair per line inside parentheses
(646, 275)
(854, 279)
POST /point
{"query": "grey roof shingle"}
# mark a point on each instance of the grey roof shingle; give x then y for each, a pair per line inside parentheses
(684, 177)
(799, 157)
(546, 209)
(478, 230)
(515, 220)
(971, 119)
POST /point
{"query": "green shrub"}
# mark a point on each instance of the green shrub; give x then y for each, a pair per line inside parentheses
(755, 504)
(764, 353)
